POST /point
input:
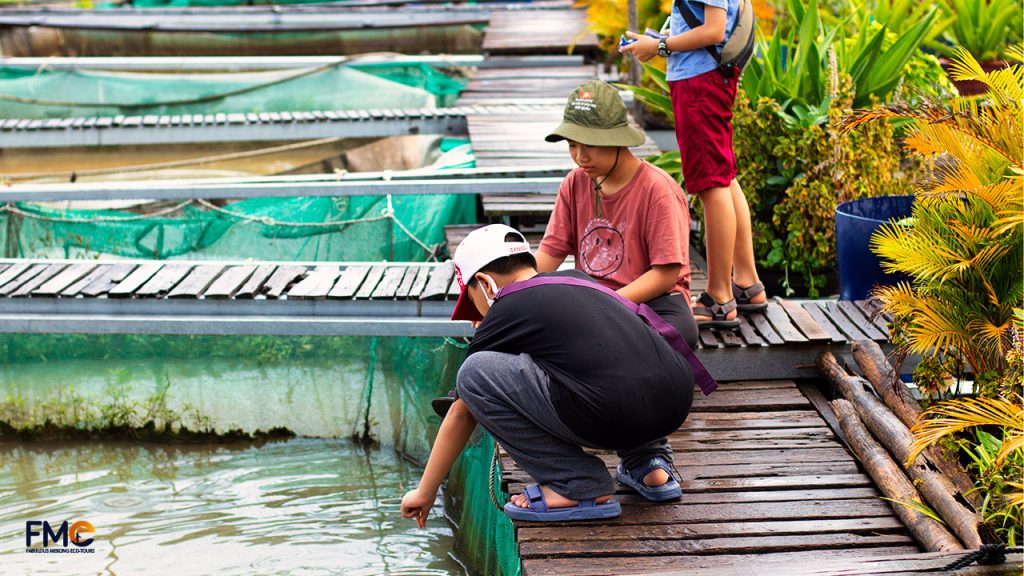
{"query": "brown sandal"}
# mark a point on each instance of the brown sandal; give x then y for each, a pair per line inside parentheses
(744, 296)
(717, 312)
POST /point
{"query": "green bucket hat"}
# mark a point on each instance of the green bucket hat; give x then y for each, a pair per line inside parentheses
(596, 116)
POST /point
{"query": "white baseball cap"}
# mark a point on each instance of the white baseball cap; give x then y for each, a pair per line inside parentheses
(478, 249)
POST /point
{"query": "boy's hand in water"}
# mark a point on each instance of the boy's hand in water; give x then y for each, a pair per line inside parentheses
(417, 505)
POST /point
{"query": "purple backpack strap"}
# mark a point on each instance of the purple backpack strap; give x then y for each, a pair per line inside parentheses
(667, 331)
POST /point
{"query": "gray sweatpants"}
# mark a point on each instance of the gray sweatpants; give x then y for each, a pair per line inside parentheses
(508, 395)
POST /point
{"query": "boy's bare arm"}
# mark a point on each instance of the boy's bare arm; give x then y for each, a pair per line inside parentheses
(653, 283)
(708, 34)
(546, 262)
(452, 436)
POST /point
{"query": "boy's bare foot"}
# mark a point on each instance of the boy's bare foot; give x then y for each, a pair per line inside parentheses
(554, 499)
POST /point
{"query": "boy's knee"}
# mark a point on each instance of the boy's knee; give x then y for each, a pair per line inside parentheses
(471, 375)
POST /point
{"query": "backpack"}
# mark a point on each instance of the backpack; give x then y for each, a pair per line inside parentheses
(740, 47)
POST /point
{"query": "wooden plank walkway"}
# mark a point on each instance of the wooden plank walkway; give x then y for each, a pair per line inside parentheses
(793, 331)
(543, 32)
(764, 480)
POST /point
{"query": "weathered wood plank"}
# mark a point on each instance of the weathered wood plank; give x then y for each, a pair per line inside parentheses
(834, 454)
(831, 308)
(416, 290)
(370, 283)
(873, 311)
(753, 434)
(756, 444)
(101, 281)
(388, 285)
(229, 282)
(349, 282)
(67, 277)
(708, 338)
(736, 545)
(402, 292)
(26, 274)
(810, 328)
(781, 323)
(437, 286)
(316, 284)
(748, 333)
(730, 339)
(281, 279)
(164, 281)
(125, 288)
(891, 564)
(672, 513)
(822, 319)
(861, 320)
(256, 282)
(673, 564)
(878, 525)
(773, 483)
(28, 287)
(198, 280)
(765, 329)
(13, 272)
(695, 422)
(722, 403)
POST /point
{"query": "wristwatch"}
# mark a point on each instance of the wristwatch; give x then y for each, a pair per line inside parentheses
(663, 50)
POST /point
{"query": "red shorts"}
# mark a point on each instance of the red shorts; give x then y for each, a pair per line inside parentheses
(703, 108)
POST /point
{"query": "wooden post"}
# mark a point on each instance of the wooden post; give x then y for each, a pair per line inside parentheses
(937, 490)
(634, 67)
(892, 482)
(894, 393)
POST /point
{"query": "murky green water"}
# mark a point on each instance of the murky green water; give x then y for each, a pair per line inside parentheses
(305, 506)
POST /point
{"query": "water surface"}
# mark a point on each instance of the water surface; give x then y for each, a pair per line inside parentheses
(305, 506)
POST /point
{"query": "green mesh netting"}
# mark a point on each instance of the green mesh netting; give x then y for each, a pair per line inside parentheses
(315, 386)
(265, 229)
(72, 93)
(484, 536)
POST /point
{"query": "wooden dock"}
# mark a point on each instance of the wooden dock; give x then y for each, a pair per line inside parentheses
(765, 480)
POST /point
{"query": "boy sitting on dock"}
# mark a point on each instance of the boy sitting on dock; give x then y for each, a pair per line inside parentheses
(559, 363)
(624, 220)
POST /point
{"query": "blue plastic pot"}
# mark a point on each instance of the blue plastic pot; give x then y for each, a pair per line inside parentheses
(860, 269)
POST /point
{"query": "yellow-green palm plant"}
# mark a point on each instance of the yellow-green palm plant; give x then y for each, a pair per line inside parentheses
(963, 248)
(997, 463)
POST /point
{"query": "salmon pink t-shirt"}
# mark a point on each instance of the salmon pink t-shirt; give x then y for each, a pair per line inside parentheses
(645, 223)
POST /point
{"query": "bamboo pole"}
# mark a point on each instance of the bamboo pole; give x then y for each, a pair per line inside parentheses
(894, 393)
(892, 482)
(937, 490)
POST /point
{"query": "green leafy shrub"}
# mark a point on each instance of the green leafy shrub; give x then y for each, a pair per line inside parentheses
(795, 168)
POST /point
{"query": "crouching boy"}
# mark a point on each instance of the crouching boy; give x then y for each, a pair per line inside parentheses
(559, 363)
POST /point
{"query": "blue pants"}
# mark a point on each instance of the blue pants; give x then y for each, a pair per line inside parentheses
(508, 395)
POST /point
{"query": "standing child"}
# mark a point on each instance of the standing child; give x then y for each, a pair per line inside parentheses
(702, 99)
(625, 221)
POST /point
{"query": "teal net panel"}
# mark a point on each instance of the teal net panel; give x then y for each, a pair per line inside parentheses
(73, 93)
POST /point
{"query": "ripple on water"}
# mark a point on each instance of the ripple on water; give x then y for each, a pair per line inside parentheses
(297, 507)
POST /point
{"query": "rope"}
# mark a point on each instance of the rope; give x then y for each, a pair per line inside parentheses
(183, 102)
(490, 483)
(987, 555)
(13, 209)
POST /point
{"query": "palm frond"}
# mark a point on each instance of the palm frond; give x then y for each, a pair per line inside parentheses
(954, 416)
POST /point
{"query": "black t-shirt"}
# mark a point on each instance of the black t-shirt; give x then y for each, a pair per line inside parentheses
(615, 382)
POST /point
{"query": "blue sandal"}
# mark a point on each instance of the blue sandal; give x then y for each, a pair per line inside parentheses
(635, 479)
(539, 511)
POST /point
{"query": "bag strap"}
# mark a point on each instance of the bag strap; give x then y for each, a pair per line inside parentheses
(691, 20)
(700, 373)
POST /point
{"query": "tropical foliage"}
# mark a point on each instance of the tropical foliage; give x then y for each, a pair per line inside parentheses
(985, 28)
(793, 68)
(964, 250)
